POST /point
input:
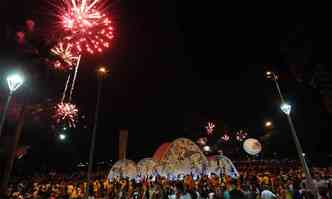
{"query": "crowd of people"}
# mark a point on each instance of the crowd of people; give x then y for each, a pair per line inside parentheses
(258, 180)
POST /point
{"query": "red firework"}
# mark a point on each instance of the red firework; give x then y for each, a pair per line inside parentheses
(209, 128)
(225, 138)
(85, 25)
(241, 135)
(66, 112)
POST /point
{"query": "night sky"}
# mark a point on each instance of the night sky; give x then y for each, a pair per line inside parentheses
(175, 65)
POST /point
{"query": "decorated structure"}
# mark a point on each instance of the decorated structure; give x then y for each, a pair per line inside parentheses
(148, 167)
(180, 157)
(123, 169)
(252, 146)
(161, 151)
(220, 164)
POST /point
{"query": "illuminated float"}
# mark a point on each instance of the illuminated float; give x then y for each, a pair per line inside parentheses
(180, 157)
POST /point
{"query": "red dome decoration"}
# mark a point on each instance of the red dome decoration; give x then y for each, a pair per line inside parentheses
(161, 151)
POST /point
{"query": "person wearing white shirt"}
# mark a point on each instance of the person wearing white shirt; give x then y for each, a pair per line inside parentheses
(267, 194)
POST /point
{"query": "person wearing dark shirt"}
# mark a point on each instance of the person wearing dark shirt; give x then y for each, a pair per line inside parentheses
(235, 193)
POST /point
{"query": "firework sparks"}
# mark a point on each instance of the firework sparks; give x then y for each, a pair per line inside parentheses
(209, 128)
(241, 135)
(66, 112)
(74, 78)
(65, 53)
(225, 137)
(86, 27)
(65, 90)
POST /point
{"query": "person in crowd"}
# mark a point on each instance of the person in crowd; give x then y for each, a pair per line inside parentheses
(234, 192)
(267, 194)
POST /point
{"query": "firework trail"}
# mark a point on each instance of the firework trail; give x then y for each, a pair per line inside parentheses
(74, 78)
(65, 90)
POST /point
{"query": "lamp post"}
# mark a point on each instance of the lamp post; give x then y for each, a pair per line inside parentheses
(62, 136)
(268, 124)
(14, 81)
(286, 109)
(101, 74)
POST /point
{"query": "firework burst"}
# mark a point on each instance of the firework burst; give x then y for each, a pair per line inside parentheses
(225, 138)
(209, 128)
(85, 25)
(241, 135)
(65, 53)
(67, 113)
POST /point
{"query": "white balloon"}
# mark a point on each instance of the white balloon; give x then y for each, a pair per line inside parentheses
(252, 146)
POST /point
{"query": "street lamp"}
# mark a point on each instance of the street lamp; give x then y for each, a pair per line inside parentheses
(62, 137)
(286, 109)
(14, 81)
(268, 124)
(102, 73)
(102, 70)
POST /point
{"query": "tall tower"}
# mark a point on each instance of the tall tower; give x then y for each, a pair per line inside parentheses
(123, 141)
